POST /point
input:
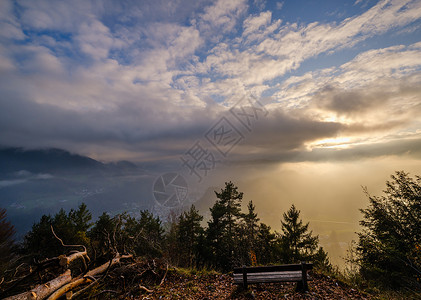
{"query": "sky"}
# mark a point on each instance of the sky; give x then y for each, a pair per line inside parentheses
(332, 90)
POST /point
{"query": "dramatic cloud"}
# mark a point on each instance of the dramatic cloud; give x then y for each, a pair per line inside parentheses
(147, 80)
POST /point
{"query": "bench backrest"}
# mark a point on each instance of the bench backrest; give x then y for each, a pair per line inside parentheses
(280, 268)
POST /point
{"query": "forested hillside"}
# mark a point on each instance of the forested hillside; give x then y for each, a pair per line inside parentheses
(88, 255)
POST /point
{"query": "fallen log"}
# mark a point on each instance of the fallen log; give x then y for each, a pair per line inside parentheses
(68, 287)
(66, 260)
(87, 277)
(43, 290)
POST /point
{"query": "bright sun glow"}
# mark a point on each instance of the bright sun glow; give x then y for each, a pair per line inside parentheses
(339, 142)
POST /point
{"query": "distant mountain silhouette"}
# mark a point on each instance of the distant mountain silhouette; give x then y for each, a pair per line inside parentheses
(42, 181)
(50, 160)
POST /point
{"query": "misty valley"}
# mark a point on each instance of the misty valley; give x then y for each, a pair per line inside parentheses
(37, 182)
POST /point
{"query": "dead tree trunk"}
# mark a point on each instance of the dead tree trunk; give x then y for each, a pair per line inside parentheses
(86, 278)
(66, 260)
(43, 290)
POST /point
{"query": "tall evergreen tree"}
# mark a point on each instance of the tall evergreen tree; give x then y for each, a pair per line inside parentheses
(248, 232)
(222, 227)
(390, 244)
(296, 242)
(216, 237)
(188, 236)
(252, 224)
(150, 238)
(81, 218)
(265, 245)
(70, 228)
(172, 252)
(101, 235)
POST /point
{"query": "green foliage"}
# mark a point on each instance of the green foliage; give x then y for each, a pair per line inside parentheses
(126, 234)
(265, 248)
(223, 226)
(189, 236)
(101, 235)
(71, 228)
(251, 222)
(149, 235)
(388, 252)
(389, 246)
(81, 218)
(232, 238)
(171, 244)
(296, 243)
(247, 232)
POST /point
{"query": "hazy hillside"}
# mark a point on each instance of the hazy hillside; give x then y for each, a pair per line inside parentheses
(14, 160)
(37, 182)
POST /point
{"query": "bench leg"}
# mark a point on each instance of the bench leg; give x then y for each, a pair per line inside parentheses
(302, 285)
(244, 278)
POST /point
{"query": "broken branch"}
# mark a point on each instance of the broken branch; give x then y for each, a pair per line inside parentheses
(79, 281)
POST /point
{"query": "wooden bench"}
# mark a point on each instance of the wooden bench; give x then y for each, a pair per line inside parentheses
(267, 274)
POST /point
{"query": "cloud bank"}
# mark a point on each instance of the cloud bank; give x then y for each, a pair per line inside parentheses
(145, 81)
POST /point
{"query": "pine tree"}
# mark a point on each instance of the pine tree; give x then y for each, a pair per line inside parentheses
(266, 245)
(150, 238)
(216, 237)
(222, 228)
(81, 218)
(188, 236)
(171, 249)
(101, 235)
(252, 224)
(248, 232)
(296, 242)
(39, 236)
(389, 246)
(70, 228)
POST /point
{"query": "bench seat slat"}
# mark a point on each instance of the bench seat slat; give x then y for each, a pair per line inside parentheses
(271, 273)
(271, 278)
(268, 280)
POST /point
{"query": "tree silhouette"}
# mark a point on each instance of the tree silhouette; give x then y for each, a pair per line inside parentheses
(188, 236)
(390, 243)
(222, 227)
(248, 231)
(296, 242)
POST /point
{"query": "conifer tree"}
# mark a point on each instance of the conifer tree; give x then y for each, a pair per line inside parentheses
(70, 228)
(81, 218)
(248, 232)
(188, 236)
(390, 244)
(266, 242)
(222, 227)
(297, 243)
(101, 235)
(150, 238)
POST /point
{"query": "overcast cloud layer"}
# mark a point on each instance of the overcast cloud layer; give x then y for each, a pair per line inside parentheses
(144, 80)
